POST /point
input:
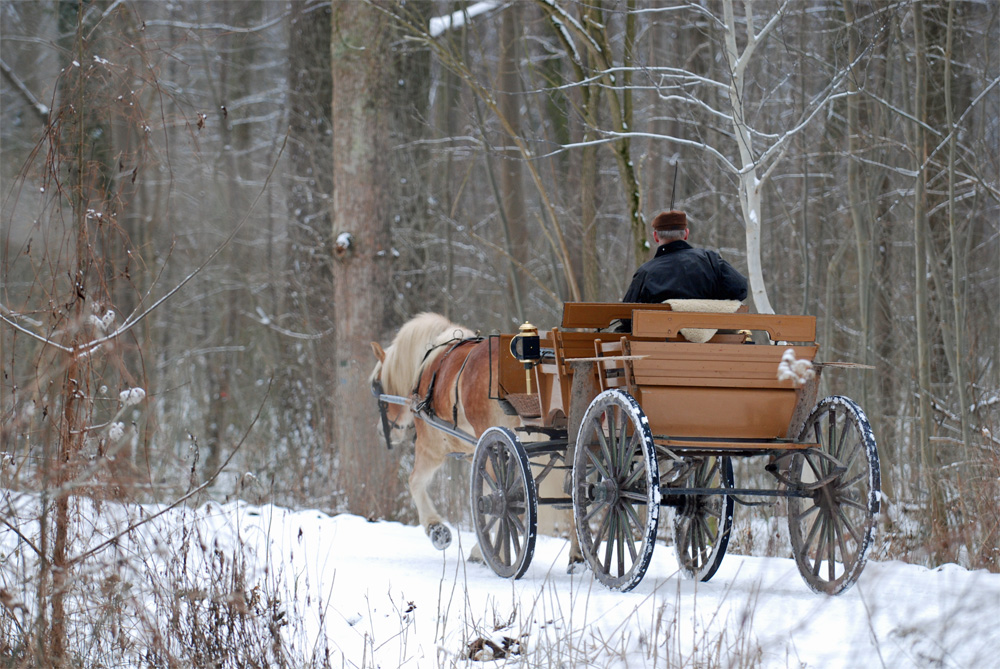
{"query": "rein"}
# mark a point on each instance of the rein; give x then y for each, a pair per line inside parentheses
(383, 406)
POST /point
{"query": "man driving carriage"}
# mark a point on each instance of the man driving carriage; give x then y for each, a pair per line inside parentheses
(681, 271)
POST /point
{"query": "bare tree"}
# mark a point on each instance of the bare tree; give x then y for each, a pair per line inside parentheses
(362, 251)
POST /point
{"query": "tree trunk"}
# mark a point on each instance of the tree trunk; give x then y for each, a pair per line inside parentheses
(928, 462)
(361, 230)
(957, 301)
(309, 183)
(859, 214)
(511, 186)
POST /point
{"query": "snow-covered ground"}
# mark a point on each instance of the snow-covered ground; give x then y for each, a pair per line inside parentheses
(378, 594)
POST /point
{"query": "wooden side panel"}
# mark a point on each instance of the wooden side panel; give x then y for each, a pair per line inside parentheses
(715, 390)
(509, 376)
(711, 365)
(736, 413)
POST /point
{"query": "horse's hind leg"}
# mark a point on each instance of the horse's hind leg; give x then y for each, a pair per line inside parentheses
(426, 462)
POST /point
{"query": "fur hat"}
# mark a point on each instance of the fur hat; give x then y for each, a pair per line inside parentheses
(670, 220)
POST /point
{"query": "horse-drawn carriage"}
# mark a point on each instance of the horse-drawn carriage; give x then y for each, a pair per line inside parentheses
(633, 423)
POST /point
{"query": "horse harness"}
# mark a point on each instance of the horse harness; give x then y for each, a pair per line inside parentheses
(425, 405)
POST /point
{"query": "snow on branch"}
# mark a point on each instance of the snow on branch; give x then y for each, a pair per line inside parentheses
(440, 24)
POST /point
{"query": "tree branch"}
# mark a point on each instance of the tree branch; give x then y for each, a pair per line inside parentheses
(41, 110)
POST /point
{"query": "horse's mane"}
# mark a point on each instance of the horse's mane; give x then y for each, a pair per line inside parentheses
(407, 356)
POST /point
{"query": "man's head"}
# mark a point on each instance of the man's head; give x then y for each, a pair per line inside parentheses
(670, 226)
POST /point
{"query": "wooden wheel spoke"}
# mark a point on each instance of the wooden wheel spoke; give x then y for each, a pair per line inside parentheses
(598, 465)
(516, 532)
(634, 495)
(491, 482)
(844, 484)
(838, 452)
(609, 543)
(627, 537)
(858, 450)
(497, 469)
(814, 528)
(845, 555)
(516, 523)
(854, 504)
(629, 452)
(634, 478)
(831, 549)
(598, 507)
(799, 517)
(604, 529)
(820, 545)
(613, 447)
(819, 472)
(620, 437)
(846, 522)
(633, 516)
(511, 476)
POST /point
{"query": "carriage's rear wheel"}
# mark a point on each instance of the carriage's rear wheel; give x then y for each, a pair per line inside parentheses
(703, 523)
(616, 497)
(504, 502)
(832, 528)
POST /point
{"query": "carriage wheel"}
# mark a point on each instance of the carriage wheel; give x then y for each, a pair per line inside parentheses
(832, 529)
(616, 497)
(703, 523)
(504, 502)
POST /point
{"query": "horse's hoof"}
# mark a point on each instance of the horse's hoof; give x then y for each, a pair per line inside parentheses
(440, 535)
(476, 556)
(576, 565)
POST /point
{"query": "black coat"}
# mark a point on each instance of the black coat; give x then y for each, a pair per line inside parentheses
(678, 270)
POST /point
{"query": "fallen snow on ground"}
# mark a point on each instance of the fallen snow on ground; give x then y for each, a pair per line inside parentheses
(391, 596)
(378, 594)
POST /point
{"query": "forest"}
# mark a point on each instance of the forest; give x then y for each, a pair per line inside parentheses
(211, 208)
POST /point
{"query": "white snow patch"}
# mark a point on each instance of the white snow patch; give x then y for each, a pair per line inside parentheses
(381, 595)
(131, 396)
(798, 372)
(439, 24)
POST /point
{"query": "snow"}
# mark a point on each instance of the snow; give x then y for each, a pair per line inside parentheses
(379, 594)
(439, 24)
(897, 614)
(131, 396)
(799, 372)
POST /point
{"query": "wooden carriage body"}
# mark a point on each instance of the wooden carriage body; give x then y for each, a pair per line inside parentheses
(723, 393)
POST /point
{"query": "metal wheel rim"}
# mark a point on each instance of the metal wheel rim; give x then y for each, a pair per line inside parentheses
(504, 503)
(832, 531)
(615, 492)
(702, 526)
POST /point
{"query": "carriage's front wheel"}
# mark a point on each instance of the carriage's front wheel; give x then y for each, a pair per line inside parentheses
(504, 502)
(832, 525)
(616, 496)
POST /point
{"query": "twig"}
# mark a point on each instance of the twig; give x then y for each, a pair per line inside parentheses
(211, 479)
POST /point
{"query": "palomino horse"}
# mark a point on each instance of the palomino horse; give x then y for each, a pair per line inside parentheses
(433, 360)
